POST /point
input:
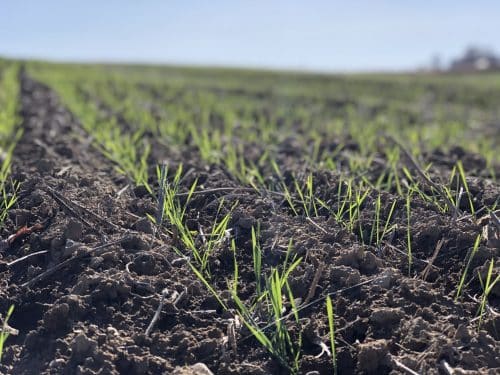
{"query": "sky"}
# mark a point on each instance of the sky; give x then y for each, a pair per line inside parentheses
(306, 35)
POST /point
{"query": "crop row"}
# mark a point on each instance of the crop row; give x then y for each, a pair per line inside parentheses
(10, 133)
(356, 150)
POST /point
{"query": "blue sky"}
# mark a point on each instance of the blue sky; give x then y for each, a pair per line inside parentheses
(312, 35)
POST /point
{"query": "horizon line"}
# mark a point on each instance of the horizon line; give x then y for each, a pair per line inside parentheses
(208, 65)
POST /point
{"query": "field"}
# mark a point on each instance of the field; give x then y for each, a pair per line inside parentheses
(257, 222)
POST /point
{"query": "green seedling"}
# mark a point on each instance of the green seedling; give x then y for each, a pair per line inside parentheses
(8, 199)
(487, 286)
(207, 284)
(9, 136)
(306, 196)
(350, 198)
(389, 179)
(5, 330)
(355, 211)
(219, 233)
(286, 191)
(257, 259)
(343, 201)
(408, 233)
(278, 342)
(123, 150)
(466, 186)
(331, 326)
(378, 233)
(173, 211)
(466, 269)
(169, 202)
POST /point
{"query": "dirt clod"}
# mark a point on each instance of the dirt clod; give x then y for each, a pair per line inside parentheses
(196, 369)
(74, 230)
(373, 356)
(144, 225)
(82, 346)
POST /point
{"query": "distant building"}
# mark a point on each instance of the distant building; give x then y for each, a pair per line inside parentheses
(476, 60)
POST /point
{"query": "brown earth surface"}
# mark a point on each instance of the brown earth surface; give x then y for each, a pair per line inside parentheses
(84, 303)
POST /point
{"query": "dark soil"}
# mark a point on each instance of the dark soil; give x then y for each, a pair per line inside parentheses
(90, 316)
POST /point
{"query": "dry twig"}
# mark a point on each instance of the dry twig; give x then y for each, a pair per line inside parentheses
(314, 284)
(68, 203)
(22, 259)
(427, 268)
(446, 367)
(317, 225)
(404, 367)
(156, 316)
(80, 255)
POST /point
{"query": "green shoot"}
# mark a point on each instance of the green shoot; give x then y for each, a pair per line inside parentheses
(466, 186)
(487, 288)
(207, 284)
(5, 332)
(386, 229)
(278, 342)
(286, 191)
(257, 259)
(408, 233)
(466, 269)
(331, 325)
(8, 199)
(376, 231)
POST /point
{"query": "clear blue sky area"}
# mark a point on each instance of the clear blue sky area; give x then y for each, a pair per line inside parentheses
(312, 35)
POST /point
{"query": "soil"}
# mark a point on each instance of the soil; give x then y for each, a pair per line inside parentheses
(90, 315)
